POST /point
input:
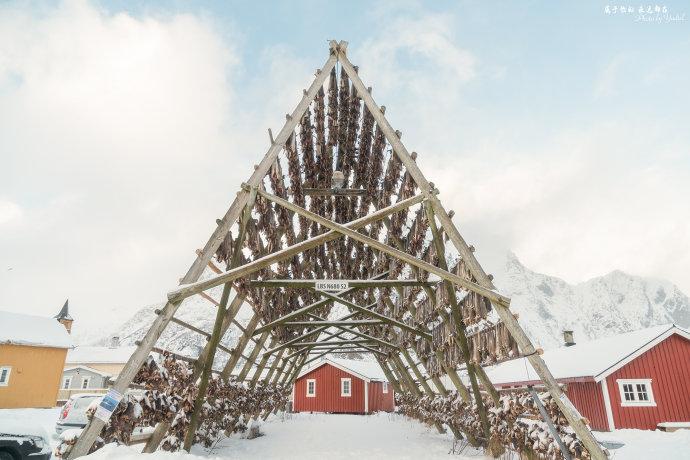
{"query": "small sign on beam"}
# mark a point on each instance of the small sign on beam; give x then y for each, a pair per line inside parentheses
(331, 285)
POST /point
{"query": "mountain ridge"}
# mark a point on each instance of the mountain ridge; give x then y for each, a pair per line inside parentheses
(610, 304)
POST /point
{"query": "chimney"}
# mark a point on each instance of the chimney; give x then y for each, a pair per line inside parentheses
(114, 341)
(64, 317)
(568, 338)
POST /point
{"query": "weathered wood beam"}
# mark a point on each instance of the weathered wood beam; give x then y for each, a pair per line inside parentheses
(95, 425)
(306, 309)
(376, 244)
(334, 191)
(377, 315)
(269, 259)
(358, 322)
(292, 341)
(239, 348)
(253, 355)
(525, 344)
(372, 283)
(332, 343)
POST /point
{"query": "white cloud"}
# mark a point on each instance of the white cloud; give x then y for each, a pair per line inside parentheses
(117, 137)
(9, 212)
(572, 201)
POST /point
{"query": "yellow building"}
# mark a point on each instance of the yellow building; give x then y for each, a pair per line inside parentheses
(32, 357)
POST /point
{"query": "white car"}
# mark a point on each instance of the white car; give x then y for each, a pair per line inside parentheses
(73, 413)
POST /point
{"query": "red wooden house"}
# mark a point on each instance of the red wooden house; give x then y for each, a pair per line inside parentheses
(343, 386)
(640, 379)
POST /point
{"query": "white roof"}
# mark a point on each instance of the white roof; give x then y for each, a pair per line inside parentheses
(367, 370)
(595, 359)
(100, 355)
(35, 331)
(86, 368)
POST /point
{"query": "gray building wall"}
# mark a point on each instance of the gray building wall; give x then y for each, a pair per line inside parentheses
(95, 380)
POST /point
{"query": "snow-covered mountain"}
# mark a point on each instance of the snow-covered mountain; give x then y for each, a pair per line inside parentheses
(603, 306)
(600, 307)
(196, 311)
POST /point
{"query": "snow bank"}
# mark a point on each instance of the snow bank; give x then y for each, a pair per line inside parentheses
(645, 444)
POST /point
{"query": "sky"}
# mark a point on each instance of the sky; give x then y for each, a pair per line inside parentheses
(555, 130)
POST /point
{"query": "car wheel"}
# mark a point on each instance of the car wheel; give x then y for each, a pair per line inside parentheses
(4, 455)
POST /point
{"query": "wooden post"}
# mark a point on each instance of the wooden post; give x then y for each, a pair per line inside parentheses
(260, 367)
(94, 427)
(217, 326)
(376, 244)
(425, 386)
(252, 356)
(162, 427)
(590, 443)
(389, 375)
(274, 365)
(269, 259)
(239, 348)
(417, 373)
(545, 416)
(460, 336)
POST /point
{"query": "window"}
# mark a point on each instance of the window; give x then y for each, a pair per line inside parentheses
(385, 387)
(67, 382)
(346, 387)
(5, 375)
(85, 382)
(311, 388)
(636, 392)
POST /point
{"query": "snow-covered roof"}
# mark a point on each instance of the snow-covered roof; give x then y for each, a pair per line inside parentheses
(595, 359)
(86, 368)
(35, 331)
(367, 370)
(100, 355)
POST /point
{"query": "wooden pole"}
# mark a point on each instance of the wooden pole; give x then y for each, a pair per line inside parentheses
(252, 356)
(94, 427)
(525, 344)
(460, 337)
(241, 345)
(306, 309)
(376, 244)
(193, 288)
(217, 326)
(376, 315)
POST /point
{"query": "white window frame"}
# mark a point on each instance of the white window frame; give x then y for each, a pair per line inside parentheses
(385, 387)
(6, 382)
(636, 402)
(349, 387)
(83, 380)
(66, 382)
(312, 394)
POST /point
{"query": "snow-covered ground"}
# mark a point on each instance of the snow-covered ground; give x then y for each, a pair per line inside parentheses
(380, 436)
(318, 436)
(645, 445)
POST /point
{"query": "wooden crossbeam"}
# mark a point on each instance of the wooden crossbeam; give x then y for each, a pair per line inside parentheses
(361, 322)
(376, 244)
(384, 318)
(333, 343)
(525, 344)
(296, 284)
(313, 306)
(262, 262)
(333, 191)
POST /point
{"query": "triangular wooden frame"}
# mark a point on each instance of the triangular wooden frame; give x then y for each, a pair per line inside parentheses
(284, 370)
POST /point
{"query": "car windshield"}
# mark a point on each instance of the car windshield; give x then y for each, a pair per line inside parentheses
(83, 402)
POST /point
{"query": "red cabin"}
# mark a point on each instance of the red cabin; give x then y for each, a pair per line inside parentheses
(640, 379)
(343, 386)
